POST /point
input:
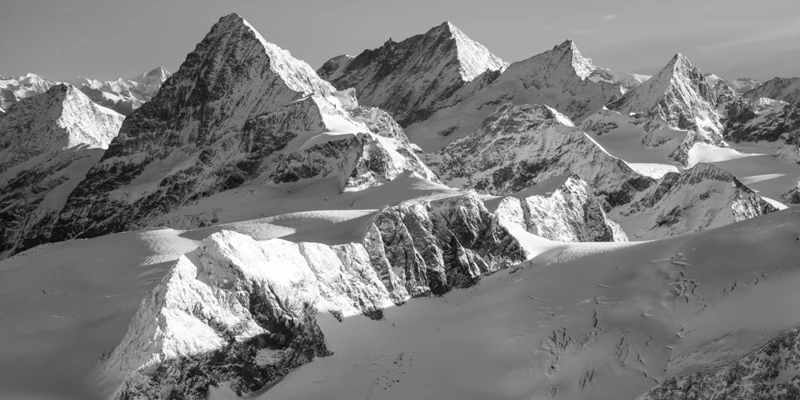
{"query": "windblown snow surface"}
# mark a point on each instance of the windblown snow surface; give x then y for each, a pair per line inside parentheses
(599, 320)
(581, 321)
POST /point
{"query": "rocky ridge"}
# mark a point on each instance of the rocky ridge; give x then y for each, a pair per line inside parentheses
(413, 78)
(699, 198)
(560, 78)
(769, 371)
(786, 89)
(522, 145)
(220, 316)
(562, 209)
(238, 109)
(47, 144)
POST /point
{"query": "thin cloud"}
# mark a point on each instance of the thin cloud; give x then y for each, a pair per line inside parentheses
(782, 33)
(607, 18)
(547, 28)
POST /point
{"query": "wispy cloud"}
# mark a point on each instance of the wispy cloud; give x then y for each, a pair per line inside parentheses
(781, 33)
(547, 28)
(606, 18)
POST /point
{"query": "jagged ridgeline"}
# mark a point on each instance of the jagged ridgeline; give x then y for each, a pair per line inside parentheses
(239, 108)
(300, 206)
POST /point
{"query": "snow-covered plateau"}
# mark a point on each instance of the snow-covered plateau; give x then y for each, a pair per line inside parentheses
(421, 221)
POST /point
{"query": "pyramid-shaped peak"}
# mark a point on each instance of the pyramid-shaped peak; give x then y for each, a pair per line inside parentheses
(680, 60)
(159, 72)
(567, 52)
(232, 33)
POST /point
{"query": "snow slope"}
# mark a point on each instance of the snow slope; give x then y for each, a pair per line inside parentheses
(633, 316)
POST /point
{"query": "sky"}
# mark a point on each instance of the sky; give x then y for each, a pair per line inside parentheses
(107, 39)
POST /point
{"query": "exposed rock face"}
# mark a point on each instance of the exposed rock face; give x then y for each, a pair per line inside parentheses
(237, 108)
(778, 125)
(678, 94)
(699, 198)
(769, 372)
(678, 97)
(438, 245)
(241, 311)
(786, 89)
(414, 78)
(520, 146)
(47, 144)
(123, 95)
(563, 209)
(560, 78)
(236, 310)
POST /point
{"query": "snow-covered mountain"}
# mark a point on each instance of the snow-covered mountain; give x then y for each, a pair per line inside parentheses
(699, 198)
(250, 230)
(239, 108)
(123, 95)
(744, 85)
(414, 78)
(219, 312)
(786, 89)
(47, 144)
(560, 78)
(561, 208)
(679, 95)
(778, 125)
(522, 145)
(666, 115)
(13, 90)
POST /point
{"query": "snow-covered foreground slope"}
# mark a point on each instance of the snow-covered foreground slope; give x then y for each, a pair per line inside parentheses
(66, 306)
(587, 321)
(414, 78)
(560, 78)
(47, 144)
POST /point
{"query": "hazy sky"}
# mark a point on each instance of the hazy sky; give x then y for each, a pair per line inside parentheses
(106, 39)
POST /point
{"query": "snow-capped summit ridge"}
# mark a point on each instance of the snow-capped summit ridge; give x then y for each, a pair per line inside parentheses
(474, 58)
(297, 74)
(568, 50)
(414, 78)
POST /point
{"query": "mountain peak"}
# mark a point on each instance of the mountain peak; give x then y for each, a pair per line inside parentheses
(439, 62)
(232, 33)
(568, 51)
(159, 72)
